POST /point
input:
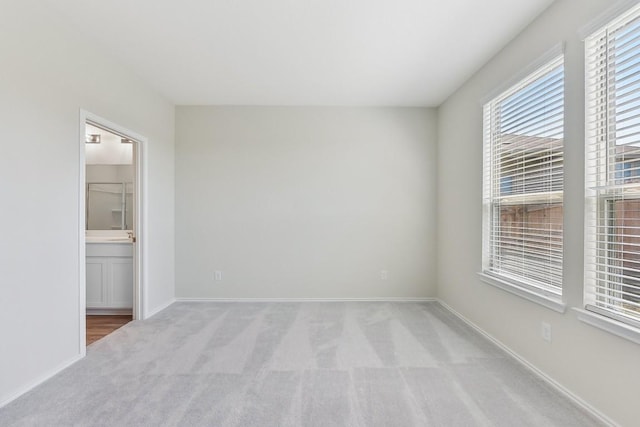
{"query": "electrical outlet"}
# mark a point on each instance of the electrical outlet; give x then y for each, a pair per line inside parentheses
(545, 331)
(384, 274)
(218, 275)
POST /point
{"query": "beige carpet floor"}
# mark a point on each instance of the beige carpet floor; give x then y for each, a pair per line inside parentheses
(296, 364)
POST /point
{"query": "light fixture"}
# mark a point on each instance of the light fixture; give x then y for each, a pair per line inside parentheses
(93, 138)
(126, 141)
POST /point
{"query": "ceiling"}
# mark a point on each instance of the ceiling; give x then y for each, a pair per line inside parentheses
(301, 52)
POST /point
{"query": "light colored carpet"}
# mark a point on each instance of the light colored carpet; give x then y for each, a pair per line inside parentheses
(295, 364)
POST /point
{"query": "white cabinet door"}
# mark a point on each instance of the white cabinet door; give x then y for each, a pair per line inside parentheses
(109, 282)
(121, 282)
(97, 295)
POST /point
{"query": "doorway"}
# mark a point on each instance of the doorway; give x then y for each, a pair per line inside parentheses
(111, 225)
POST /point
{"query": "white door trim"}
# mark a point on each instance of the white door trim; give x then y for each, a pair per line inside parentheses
(140, 219)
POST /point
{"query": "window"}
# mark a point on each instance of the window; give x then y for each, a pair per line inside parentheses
(523, 183)
(612, 227)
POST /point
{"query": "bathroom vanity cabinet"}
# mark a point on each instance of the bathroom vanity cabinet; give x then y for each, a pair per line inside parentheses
(109, 277)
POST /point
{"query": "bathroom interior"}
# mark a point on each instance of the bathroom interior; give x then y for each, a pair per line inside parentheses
(110, 233)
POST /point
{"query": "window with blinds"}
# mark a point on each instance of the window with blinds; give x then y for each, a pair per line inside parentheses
(523, 182)
(612, 227)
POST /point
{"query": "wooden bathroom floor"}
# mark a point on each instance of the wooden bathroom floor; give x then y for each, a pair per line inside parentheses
(101, 326)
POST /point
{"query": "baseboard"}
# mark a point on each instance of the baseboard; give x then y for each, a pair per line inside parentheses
(371, 299)
(108, 311)
(33, 384)
(531, 367)
(158, 309)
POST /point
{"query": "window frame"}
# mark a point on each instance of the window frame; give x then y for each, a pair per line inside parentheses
(602, 190)
(543, 295)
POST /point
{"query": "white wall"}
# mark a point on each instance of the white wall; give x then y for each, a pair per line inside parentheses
(48, 73)
(597, 366)
(305, 202)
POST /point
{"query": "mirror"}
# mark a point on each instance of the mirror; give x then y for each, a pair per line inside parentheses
(109, 206)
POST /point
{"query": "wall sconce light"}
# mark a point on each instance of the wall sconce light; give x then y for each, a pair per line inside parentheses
(126, 141)
(93, 139)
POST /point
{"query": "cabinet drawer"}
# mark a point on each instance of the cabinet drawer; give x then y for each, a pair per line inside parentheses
(109, 249)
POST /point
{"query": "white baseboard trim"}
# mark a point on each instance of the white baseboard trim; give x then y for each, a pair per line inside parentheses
(576, 399)
(159, 308)
(33, 384)
(108, 311)
(371, 299)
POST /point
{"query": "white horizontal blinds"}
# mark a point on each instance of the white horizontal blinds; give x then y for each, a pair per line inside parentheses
(523, 180)
(612, 245)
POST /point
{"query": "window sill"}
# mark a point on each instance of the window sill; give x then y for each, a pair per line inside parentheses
(606, 324)
(549, 302)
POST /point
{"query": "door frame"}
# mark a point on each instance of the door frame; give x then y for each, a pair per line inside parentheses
(140, 220)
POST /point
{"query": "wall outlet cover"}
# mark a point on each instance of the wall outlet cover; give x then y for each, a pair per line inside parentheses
(545, 331)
